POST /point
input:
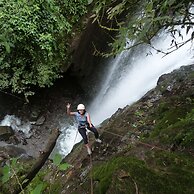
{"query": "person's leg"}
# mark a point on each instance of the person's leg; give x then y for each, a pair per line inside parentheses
(96, 134)
(82, 132)
(94, 130)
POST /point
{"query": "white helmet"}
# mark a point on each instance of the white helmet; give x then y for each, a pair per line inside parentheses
(80, 107)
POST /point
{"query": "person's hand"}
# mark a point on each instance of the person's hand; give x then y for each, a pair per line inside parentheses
(68, 105)
(90, 125)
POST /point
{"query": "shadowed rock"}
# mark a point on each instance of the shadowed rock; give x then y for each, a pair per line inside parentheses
(5, 133)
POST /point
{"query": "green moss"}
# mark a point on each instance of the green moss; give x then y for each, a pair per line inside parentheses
(191, 75)
(106, 172)
(165, 174)
(168, 114)
(176, 127)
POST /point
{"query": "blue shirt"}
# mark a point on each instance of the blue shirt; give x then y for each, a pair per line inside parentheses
(81, 119)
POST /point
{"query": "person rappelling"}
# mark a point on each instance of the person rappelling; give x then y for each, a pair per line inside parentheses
(84, 122)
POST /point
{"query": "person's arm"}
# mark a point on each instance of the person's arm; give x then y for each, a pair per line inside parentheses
(89, 120)
(68, 110)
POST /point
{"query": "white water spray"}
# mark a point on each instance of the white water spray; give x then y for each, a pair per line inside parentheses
(139, 74)
(17, 125)
(68, 138)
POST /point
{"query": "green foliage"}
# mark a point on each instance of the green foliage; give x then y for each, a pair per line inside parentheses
(10, 170)
(53, 183)
(73, 9)
(6, 174)
(143, 20)
(34, 41)
(15, 171)
(176, 127)
(38, 189)
(11, 174)
(57, 160)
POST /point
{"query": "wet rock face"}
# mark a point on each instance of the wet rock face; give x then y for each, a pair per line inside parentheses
(84, 60)
(45, 111)
(154, 131)
(5, 133)
(173, 82)
(9, 139)
(14, 151)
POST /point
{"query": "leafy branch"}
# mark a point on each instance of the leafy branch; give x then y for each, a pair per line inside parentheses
(141, 25)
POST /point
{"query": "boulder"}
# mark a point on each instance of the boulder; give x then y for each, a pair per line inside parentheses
(12, 151)
(5, 133)
(40, 120)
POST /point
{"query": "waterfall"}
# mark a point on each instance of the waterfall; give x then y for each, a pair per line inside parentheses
(133, 73)
(128, 77)
(68, 138)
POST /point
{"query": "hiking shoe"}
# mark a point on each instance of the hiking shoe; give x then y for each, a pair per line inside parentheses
(99, 140)
(89, 151)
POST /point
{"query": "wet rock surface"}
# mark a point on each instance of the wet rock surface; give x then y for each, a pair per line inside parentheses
(44, 112)
(146, 147)
(127, 134)
(5, 133)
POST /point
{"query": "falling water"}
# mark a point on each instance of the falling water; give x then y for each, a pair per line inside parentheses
(68, 138)
(130, 75)
(133, 73)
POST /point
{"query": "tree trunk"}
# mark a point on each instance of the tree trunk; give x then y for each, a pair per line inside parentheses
(40, 161)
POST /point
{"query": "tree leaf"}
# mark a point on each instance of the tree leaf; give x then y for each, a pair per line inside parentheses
(6, 174)
(38, 189)
(57, 159)
(90, 1)
(64, 166)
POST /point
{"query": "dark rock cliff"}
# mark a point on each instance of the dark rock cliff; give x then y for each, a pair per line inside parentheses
(147, 147)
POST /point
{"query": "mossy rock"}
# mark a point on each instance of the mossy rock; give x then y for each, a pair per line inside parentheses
(127, 175)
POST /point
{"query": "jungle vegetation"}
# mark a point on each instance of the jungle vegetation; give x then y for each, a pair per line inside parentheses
(35, 35)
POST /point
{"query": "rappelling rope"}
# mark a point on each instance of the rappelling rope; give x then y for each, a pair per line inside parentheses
(91, 166)
(91, 180)
(113, 133)
(145, 144)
